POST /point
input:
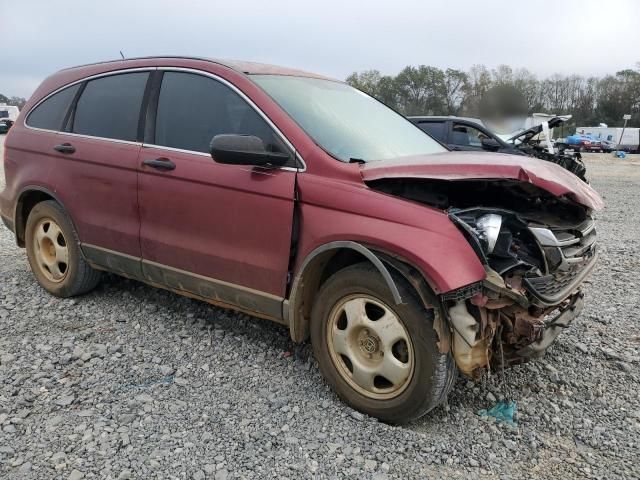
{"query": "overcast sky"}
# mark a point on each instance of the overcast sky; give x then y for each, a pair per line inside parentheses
(333, 37)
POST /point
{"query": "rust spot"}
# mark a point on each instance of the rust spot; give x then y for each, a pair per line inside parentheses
(442, 331)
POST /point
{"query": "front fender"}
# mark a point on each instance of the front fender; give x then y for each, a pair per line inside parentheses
(425, 238)
(362, 250)
(297, 309)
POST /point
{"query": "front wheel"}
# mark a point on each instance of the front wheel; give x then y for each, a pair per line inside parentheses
(381, 358)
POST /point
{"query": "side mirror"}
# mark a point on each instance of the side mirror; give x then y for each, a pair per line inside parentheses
(234, 149)
(490, 144)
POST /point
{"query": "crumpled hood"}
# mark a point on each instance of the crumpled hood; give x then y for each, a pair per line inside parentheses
(478, 166)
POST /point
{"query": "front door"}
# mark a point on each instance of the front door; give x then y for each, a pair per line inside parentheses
(220, 232)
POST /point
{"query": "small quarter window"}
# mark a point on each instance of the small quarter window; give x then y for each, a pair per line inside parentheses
(109, 107)
(435, 129)
(50, 113)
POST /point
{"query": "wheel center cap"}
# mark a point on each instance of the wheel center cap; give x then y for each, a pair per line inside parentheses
(369, 344)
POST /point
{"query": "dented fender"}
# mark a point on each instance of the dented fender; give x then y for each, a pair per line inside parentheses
(297, 314)
(294, 311)
(424, 237)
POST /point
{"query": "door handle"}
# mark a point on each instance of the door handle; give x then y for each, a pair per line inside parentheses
(65, 148)
(160, 164)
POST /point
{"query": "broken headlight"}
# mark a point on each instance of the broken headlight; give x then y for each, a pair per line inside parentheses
(481, 228)
(501, 240)
(488, 228)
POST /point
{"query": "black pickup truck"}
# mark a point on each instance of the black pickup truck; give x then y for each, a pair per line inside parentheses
(459, 133)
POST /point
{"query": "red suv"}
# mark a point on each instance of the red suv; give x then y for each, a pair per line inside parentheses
(296, 198)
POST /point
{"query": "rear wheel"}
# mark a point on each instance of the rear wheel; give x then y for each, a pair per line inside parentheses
(379, 357)
(54, 253)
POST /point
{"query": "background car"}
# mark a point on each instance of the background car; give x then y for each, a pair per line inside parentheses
(590, 145)
(464, 134)
(468, 134)
(584, 143)
(608, 146)
(8, 116)
(5, 125)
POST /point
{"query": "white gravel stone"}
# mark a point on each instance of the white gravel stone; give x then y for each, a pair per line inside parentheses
(122, 410)
(75, 475)
(65, 400)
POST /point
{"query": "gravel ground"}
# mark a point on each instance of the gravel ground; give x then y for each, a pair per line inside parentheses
(135, 382)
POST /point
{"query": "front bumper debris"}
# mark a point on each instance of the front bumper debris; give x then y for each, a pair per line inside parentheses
(550, 290)
(491, 329)
(553, 328)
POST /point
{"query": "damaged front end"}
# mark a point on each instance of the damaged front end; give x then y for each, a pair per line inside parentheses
(536, 248)
(532, 287)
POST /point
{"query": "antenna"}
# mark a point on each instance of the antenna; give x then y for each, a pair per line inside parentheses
(121, 54)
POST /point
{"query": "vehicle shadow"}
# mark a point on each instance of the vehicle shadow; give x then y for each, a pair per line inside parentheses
(200, 318)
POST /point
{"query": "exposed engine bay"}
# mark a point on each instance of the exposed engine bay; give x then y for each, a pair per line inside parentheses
(572, 162)
(536, 249)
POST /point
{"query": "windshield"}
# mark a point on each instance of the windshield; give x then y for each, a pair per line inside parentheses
(345, 122)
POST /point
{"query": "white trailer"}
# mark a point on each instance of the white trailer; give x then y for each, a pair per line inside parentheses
(629, 141)
(8, 111)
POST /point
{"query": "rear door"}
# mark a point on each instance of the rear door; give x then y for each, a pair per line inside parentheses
(102, 137)
(88, 140)
(222, 232)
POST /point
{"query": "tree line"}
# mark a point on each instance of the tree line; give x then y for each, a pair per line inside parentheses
(426, 90)
(15, 101)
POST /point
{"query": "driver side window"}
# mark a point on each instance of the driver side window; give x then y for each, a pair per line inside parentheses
(192, 109)
(467, 136)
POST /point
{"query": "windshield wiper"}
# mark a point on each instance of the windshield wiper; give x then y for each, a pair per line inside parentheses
(356, 160)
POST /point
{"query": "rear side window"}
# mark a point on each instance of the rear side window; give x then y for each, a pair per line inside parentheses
(192, 109)
(109, 107)
(436, 129)
(50, 113)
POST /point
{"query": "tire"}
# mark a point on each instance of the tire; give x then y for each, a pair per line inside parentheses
(54, 252)
(333, 331)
